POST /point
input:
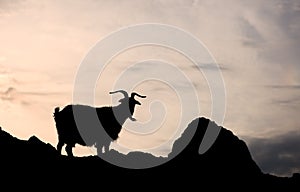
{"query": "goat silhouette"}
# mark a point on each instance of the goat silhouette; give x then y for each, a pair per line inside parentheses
(76, 124)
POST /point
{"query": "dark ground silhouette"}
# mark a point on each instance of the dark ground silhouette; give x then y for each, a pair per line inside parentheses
(227, 164)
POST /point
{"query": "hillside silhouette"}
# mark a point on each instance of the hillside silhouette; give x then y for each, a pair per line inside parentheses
(227, 162)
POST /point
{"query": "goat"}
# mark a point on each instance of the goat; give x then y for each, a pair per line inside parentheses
(111, 120)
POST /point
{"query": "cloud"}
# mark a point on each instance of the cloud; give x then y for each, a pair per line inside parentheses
(291, 87)
(8, 6)
(12, 94)
(291, 101)
(251, 36)
(213, 67)
(9, 94)
(281, 27)
(291, 98)
(278, 155)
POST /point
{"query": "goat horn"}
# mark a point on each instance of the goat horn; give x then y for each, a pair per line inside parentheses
(135, 94)
(120, 91)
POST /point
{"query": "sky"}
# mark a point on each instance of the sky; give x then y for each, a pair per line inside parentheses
(255, 43)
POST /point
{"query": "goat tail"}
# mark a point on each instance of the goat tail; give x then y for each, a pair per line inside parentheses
(56, 111)
(57, 120)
